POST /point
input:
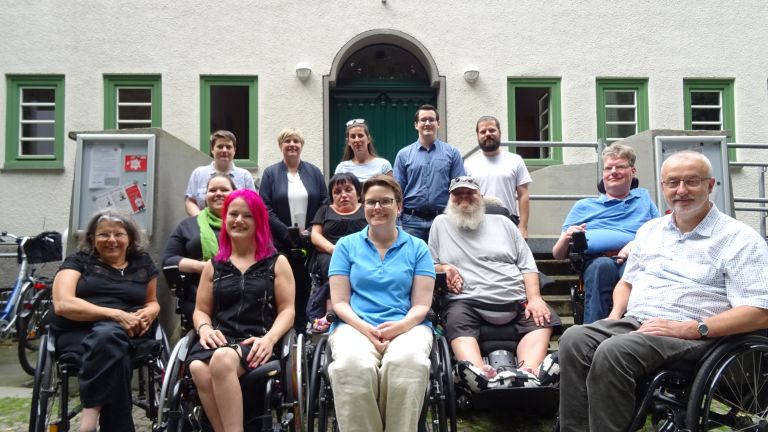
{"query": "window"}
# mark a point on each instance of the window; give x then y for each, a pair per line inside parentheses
(709, 105)
(230, 103)
(622, 108)
(132, 101)
(534, 115)
(34, 122)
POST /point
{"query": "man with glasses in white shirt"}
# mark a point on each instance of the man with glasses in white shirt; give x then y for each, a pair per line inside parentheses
(424, 170)
(609, 223)
(693, 276)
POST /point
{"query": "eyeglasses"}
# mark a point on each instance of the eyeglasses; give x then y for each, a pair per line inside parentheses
(691, 182)
(384, 202)
(355, 121)
(428, 120)
(616, 167)
(107, 236)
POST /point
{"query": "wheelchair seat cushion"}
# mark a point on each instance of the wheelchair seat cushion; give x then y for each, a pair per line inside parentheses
(467, 376)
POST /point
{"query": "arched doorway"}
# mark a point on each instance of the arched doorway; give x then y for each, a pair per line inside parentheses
(382, 78)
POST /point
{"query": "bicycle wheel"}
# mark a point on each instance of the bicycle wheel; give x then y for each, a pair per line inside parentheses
(30, 325)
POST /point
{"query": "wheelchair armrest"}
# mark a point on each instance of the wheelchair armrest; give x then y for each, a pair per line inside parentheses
(267, 370)
(175, 279)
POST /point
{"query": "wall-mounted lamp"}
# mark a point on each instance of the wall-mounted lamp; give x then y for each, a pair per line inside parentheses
(471, 73)
(303, 71)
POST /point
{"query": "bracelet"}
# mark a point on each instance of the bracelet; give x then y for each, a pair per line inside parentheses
(201, 326)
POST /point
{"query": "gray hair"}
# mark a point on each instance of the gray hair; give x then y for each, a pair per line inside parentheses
(620, 151)
(689, 154)
(126, 220)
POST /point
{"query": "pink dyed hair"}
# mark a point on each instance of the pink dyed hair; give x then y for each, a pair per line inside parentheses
(261, 233)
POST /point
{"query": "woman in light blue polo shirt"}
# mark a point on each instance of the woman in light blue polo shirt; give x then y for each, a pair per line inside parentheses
(381, 288)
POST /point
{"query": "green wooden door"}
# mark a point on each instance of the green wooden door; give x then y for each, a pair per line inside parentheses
(388, 110)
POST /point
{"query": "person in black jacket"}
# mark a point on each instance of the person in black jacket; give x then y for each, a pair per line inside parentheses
(293, 190)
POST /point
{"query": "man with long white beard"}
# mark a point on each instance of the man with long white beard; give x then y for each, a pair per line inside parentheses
(491, 277)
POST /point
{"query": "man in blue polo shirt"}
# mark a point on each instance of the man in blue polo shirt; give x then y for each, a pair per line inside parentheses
(610, 223)
(424, 170)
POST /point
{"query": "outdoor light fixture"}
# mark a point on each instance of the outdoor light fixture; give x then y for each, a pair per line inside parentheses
(471, 73)
(303, 71)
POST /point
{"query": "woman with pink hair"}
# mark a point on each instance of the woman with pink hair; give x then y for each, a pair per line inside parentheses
(245, 304)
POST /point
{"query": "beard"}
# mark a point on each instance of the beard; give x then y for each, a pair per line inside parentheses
(467, 219)
(489, 144)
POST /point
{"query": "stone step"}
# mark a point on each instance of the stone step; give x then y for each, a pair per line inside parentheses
(554, 267)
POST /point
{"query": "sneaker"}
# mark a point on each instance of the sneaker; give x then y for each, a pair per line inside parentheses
(549, 371)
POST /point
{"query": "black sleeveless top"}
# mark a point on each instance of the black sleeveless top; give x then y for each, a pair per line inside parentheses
(244, 303)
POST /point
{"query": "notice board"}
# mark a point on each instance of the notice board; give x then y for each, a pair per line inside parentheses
(114, 171)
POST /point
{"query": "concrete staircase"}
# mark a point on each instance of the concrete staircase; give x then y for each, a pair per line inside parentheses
(558, 295)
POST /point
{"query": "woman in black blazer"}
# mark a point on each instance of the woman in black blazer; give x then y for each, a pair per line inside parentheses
(293, 190)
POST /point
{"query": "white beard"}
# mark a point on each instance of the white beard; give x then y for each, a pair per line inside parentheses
(469, 219)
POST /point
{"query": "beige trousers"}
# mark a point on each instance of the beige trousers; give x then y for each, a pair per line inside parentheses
(375, 392)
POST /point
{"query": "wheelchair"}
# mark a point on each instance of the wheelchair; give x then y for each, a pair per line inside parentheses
(498, 346)
(577, 257)
(54, 404)
(727, 389)
(272, 401)
(438, 412)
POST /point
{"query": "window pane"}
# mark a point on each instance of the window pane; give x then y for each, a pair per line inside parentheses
(134, 113)
(706, 127)
(134, 125)
(37, 148)
(38, 95)
(619, 97)
(619, 131)
(620, 114)
(38, 113)
(134, 95)
(229, 111)
(531, 118)
(37, 130)
(705, 98)
(705, 114)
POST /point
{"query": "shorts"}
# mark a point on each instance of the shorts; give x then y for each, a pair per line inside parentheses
(464, 318)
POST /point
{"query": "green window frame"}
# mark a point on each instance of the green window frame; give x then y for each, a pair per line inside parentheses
(724, 87)
(611, 111)
(207, 83)
(113, 103)
(553, 113)
(26, 115)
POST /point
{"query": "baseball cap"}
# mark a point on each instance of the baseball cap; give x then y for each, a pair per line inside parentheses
(463, 182)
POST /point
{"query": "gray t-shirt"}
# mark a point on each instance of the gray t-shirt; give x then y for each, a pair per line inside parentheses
(491, 259)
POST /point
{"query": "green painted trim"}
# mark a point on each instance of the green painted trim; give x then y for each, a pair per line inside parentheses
(206, 82)
(111, 84)
(729, 112)
(555, 115)
(13, 160)
(639, 85)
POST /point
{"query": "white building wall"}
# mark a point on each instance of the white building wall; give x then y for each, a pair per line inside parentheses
(577, 41)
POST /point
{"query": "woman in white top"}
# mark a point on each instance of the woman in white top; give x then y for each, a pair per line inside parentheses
(359, 155)
(292, 190)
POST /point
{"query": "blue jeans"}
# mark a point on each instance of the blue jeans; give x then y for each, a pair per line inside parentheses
(416, 226)
(601, 274)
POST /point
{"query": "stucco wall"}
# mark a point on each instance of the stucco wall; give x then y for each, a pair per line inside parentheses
(577, 41)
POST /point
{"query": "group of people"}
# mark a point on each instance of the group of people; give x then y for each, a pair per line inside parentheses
(381, 233)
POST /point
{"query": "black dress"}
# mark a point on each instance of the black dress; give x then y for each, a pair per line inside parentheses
(243, 304)
(103, 346)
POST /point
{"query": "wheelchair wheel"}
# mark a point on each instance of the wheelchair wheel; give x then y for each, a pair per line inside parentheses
(292, 392)
(433, 416)
(730, 391)
(321, 414)
(446, 375)
(577, 303)
(174, 399)
(30, 325)
(44, 388)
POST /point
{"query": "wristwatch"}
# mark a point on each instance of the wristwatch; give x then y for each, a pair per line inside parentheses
(703, 329)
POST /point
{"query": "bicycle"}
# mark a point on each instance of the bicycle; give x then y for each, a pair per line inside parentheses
(26, 304)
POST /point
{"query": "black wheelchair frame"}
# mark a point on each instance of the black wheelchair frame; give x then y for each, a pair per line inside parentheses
(276, 394)
(438, 412)
(727, 389)
(51, 397)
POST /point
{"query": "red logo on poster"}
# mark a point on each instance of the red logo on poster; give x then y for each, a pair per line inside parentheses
(135, 163)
